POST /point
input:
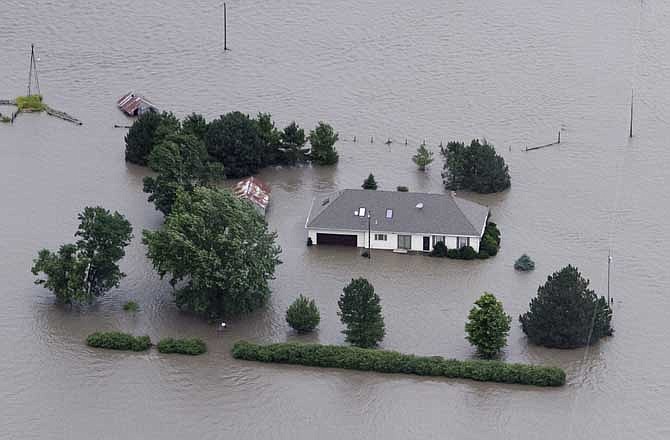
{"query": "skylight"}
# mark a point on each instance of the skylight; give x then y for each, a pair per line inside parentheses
(389, 213)
(361, 212)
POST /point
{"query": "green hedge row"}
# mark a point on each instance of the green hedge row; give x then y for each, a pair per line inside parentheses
(192, 346)
(353, 358)
(118, 341)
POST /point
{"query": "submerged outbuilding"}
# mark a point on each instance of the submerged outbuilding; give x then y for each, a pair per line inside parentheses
(135, 105)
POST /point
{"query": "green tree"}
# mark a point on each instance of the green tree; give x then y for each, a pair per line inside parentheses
(181, 162)
(87, 269)
(220, 251)
(270, 138)
(233, 140)
(488, 326)
(566, 313)
(195, 125)
(369, 183)
(293, 142)
(423, 157)
(303, 315)
(323, 139)
(474, 167)
(361, 312)
(146, 132)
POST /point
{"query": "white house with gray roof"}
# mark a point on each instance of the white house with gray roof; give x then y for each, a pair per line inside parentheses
(394, 220)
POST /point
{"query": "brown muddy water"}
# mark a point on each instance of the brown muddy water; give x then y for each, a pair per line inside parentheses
(514, 72)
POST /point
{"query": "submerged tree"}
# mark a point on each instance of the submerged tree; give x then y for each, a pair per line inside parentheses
(323, 139)
(303, 315)
(218, 249)
(147, 131)
(270, 138)
(488, 326)
(475, 167)
(369, 182)
(423, 157)
(293, 142)
(566, 313)
(234, 140)
(194, 125)
(80, 272)
(361, 312)
(181, 163)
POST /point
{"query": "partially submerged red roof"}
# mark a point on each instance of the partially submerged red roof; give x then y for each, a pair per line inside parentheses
(133, 104)
(254, 190)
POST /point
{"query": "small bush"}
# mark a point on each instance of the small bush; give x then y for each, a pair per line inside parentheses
(32, 102)
(468, 253)
(369, 183)
(439, 250)
(454, 253)
(191, 346)
(365, 254)
(354, 358)
(490, 240)
(303, 315)
(402, 189)
(524, 263)
(118, 341)
(5, 119)
(131, 306)
(483, 254)
(309, 241)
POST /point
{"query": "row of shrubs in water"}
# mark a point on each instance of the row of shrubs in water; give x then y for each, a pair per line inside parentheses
(488, 247)
(128, 342)
(354, 358)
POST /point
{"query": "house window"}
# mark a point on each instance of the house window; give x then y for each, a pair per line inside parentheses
(462, 242)
(380, 237)
(404, 242)
(438, 239)
(389, 213)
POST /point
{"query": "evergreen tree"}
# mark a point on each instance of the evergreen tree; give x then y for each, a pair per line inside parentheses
(80, 272)
(270, 138)
(369, 183)
(488, 326)
(323, 139)
(361, 312)
(566, 313)
(423, 157)
(303, 315)
(474, 167)
(293, 142)
(218, 249)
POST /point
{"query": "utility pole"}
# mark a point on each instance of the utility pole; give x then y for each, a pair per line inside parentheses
(609, 266)
(369, 236)
(630, 133)
(33, 71)
(225, 29)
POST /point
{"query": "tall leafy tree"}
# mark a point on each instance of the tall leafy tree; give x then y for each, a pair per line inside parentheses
(218, 249)
(146, 132)
(566, 313)
(423, 157)
(361, 313)
(369, 182)
(233, 140)
(89, 268)
(181, 162)
(195, 125)
(293, 142)
(323, 139)
(474, 167)
(488, 326)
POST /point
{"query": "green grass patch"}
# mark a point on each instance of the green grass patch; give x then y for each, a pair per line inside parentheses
(32, 102)
(131, 306)
(353, 358)
(118, 341)
(191, 346)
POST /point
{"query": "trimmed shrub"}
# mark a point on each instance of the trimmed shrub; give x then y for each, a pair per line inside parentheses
(118, 341)
(439, 250)
(454, 253)
(191, 346)
(468, 253)
(131, 306)
(524, 263)
(303, 315)
(369, 183)
(490, 240)
(402, 188)
(381, 361)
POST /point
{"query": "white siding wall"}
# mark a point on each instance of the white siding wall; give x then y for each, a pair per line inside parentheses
(391, 242)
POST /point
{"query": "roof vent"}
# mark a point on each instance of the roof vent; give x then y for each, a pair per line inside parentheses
(419, 205)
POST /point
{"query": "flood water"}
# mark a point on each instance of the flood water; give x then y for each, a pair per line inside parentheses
(515, 72)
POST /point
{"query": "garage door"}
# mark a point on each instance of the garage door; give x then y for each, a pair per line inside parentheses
(336, 239)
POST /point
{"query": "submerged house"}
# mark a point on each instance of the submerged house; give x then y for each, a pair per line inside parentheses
(255, 191)
(135, 105)
(401, 221)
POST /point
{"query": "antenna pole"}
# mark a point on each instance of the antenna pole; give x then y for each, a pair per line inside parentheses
(30, 71)
(609, 265)
(225, 28)
(630, 133)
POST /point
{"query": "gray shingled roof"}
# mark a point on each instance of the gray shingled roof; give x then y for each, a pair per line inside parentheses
(441, 213)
